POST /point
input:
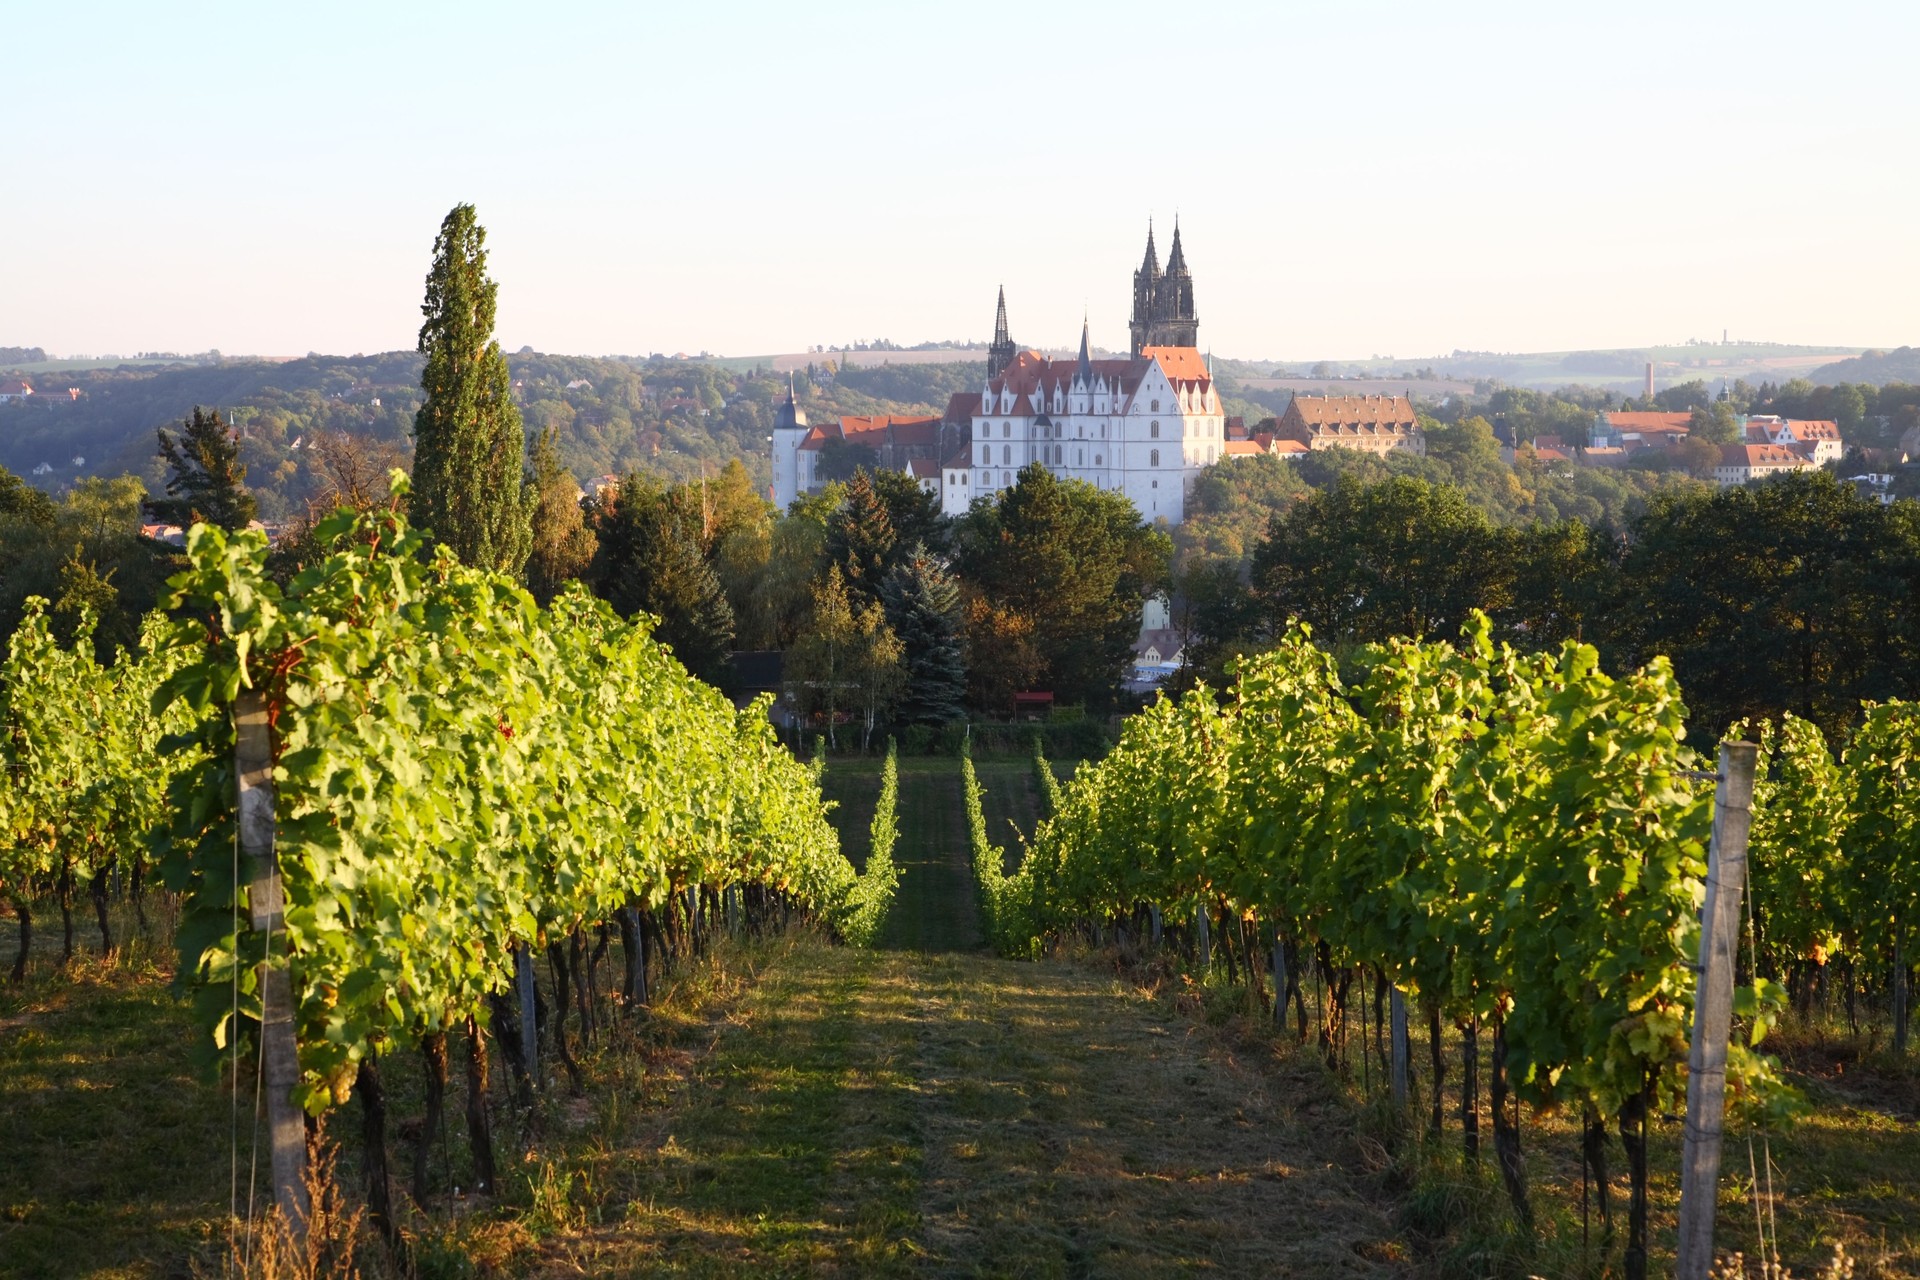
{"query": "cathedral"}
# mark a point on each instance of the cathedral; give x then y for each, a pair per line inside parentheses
(1142, 425)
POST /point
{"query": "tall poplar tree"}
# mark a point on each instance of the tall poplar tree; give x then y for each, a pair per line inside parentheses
(469, 447)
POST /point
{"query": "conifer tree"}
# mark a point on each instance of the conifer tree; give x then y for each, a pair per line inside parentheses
(468, 443)
(648, 560)
(206, 479)
(923, 605)
(860, 538)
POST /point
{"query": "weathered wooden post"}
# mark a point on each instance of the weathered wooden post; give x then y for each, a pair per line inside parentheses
(1713, 1009)
(1153, 915)
(529, 1030)
(1397, 1015)
(1202, 940)
(266, 908)
(1279, 979)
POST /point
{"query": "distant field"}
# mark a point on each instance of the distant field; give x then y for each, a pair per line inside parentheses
(1431, 388)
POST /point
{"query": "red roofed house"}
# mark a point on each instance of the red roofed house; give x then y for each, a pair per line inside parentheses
(1631, 430)
(13, 390)
(1742, 463)
(1819, 440)
(1371, 424)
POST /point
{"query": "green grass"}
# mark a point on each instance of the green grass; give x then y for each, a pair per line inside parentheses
(116, 1159)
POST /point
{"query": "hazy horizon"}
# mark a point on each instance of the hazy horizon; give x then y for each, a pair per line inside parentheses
(1353, 181)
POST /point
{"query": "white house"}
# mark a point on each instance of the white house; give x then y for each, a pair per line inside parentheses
(1742, 463)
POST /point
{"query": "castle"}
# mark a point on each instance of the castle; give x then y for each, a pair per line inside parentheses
(1142, 425)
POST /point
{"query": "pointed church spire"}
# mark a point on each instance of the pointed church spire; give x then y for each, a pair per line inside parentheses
(1150, 264)
(1083, 372)
(1000, 353)
(1176, 258)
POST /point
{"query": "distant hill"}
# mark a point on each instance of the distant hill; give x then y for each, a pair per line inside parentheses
(675, 418)
(1902, 364)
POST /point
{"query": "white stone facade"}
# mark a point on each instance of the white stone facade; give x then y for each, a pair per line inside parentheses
(1143, 427)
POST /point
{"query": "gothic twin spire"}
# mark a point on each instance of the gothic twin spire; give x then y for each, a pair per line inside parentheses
(1163, 314)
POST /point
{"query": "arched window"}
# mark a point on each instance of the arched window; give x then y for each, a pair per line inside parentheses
(1153, 460)
(1006, 477)
(1079, 457)
(1153, 429)
(1006, 429)
(1156, 406)
(986, 453)
(985, 429)
(1006, 454)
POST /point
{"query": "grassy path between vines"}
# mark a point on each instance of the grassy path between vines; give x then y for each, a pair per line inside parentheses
(928, 1110)
(893, 1113)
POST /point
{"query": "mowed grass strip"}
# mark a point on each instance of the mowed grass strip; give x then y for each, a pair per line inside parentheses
(116, 1158)
(1073, 1126)
(786, 1149)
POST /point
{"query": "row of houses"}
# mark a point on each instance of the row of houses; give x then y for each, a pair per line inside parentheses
(19, 391)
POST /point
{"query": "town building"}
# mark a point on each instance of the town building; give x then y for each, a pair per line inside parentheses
(1371, 424)
(13, 390)
(1817, 439)
(1141, 425)
(1744, 463)
(1628, 430)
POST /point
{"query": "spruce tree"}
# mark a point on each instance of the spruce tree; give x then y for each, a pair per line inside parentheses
(860, 538)
(206, 479)
(650, 561)
(469, 447)
(923, 605)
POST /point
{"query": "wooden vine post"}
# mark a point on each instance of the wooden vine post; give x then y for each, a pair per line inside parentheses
(1713, 1009)
(266, 904)
(1400, 1054)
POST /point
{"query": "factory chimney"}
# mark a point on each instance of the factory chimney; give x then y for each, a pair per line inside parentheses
(1649, 381)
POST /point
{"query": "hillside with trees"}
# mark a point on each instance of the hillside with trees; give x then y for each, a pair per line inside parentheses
(673, 419)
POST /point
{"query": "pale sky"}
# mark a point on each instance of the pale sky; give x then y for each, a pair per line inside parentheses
(1352, 178)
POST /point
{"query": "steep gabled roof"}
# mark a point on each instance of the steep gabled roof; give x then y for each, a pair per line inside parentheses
(1643, 422)
(1180, 364)
(1759, 455)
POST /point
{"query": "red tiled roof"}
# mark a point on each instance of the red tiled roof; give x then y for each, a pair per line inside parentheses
(877, 430)
(961, 459)
(1180, 364)
(1644, 422)
(894, 428)
(15, 387)
(923, 469)
(1759, 455)
(1240, 449)
(1813, 429)
(1393, 412)
(1287, 446)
